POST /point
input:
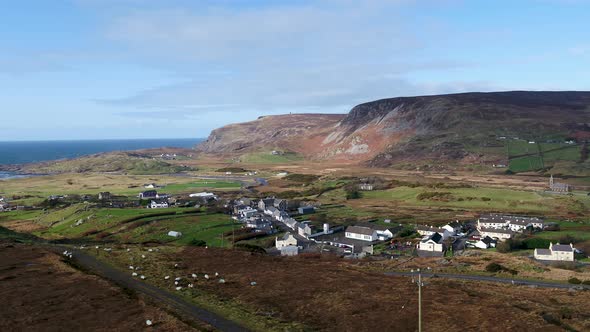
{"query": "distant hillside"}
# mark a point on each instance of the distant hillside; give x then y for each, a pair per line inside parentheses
(523, 130)
(149, 161)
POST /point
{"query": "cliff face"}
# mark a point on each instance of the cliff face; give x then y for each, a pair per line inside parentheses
(450, 127)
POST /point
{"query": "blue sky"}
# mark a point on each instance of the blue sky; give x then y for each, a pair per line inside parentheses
(87, 69)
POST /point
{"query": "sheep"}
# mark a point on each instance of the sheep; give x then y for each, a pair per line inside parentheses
(194, 275)
(178, 279)
(207, 276)
(166, 277)
(131, 267)
(176, 265)
(142, 277)
(222, 281)
(142, 256)
(190, 285)
(150, 250)
(148, 322)
(216, 274)
(253, 283)
(134, 274)
(128, 250)
(97, 247)
(178, 288)
(176, 283)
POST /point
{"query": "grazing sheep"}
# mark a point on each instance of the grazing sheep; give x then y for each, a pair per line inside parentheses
(142, 277)
(194, 276)
(166, 277)
(128, 250)
(150, 250)
(178, 288)
(130, 267)
(222, 281)
(176, 283)
(176, 265)
(190, 285)
(142, 256)
(178, 279)
(207, 276)
(253, 283)
(148, 322)
(134, 274)
(216, 274)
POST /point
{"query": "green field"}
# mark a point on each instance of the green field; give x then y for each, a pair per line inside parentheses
(268, 158)
(178, 188)
(523, 164)
(568, 153)
(521, 147)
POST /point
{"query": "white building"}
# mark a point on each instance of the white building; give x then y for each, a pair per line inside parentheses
(158, 204)
(498, 234)
(432, 243)
(485, 243)
(429, 230)
(361, 233)
(514, 223)
(174, 234)
(203, 195)
(287, 240)
(556, 252)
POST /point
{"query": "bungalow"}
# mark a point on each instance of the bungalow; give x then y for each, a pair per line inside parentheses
(156, 204)
(485, 243)
(361, 233)
(306, 209)
(287, 240)
(556, 252)
(432, 242)
(148, 194)
(263, 204)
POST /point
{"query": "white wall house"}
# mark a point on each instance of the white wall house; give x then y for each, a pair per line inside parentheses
(429, 230)
(361, 233)
(432, 243)
(158, 205)
(485, 243)
(556, 252)
(287, 240)
(499, 234)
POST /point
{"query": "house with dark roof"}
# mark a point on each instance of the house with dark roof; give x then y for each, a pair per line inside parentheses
(361, 233)
(432, 243)
(148, 194)
(485, 243)
(264, 204)
(556, 252)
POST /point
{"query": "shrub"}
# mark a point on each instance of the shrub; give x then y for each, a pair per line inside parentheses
(250, 247)
(534, 243)
(353, 194)
(574, 281)
(494, 267)
(197, 243)
(586, 282)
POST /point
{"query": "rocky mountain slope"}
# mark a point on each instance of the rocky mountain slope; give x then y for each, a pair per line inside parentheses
(467, 128)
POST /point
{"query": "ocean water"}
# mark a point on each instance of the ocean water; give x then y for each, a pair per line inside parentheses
(34, 151)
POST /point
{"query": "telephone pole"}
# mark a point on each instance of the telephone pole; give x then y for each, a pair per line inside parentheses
(419, 297)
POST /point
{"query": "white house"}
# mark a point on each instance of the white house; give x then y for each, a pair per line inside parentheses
(432, 243)
(304, 230)
(158, 204)
(453, 227)
(514, 223)
(287, 240)
(291, 223)
(556, 252)
(174, 234)
(361, 233)
(485, 243)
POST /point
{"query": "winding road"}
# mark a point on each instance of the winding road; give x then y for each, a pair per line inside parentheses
(125, 280)
(542, 284)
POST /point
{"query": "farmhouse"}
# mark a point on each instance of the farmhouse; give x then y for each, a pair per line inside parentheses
(485, 243)
(361, 233)
(432, 243)
(556, 252)
(287, 240)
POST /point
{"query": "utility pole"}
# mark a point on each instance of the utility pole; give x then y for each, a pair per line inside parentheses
(419, 297)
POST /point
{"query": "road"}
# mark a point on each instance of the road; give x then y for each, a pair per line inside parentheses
(125, 280)
(541, 284)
